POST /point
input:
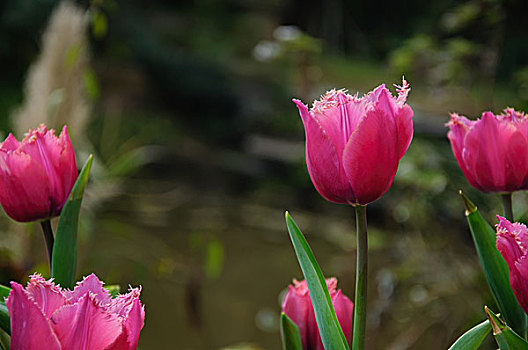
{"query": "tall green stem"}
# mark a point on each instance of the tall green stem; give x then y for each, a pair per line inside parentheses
(360, 305)
(507, 206)
(48, 237)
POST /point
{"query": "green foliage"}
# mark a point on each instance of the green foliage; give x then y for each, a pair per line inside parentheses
(64, 260)
(472, 339)
(505, 337)
(291, 338)
(331, 334)
(495, 268)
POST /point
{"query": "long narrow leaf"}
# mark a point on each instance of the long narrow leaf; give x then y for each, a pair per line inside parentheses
(64, 261)
(472, 339)
(495, 268)
(331, 334)
(505, 337)
(4, 292)
(291, 338)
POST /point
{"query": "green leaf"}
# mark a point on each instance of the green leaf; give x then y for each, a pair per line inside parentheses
(113, 289)
(331, 334)
(4, 292)
(64, 261)
(291, 338)
(472, 339)
(505, 337)
(494, 266)
(5, 322)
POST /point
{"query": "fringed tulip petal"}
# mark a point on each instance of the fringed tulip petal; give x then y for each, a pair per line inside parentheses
(86, 318)
(377, 134)
(30, 329)
(298, 307)
(512, 242)
(85, 325)
(354, 144)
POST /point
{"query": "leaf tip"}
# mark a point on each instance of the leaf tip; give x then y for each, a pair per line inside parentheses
(493, 321)
(470, 206)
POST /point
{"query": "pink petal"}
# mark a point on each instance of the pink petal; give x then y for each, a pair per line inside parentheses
(46, 294)
(24, 187)
(85, 325)
(10, 143)
(129, 338)
(299, 309)
(404, 124)
(90, 284)
(30, 329)
(371, 158)
(500, 168)
(322, 161)
(344, 311)
(66, 167)
(519, 281)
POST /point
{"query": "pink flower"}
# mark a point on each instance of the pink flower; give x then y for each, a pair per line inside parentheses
(354, 144)
(37, 174)
(85, 318)
(512, 242)
(298, 306)
(492, 151)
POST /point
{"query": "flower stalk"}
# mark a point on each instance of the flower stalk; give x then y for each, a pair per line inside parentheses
(507, 207)
(360, 303)
(48, 238)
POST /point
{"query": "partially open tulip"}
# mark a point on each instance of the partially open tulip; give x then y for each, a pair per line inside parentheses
(36, 174)
(298, 307)
(492, 151)
(44, 316)
(512, 242)
(354, 144)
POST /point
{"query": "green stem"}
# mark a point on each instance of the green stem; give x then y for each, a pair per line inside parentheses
(507, 206)
(360, 304)
(48, 237)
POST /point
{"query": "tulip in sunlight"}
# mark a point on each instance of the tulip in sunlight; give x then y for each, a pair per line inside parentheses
(354, 144)
(36, 174)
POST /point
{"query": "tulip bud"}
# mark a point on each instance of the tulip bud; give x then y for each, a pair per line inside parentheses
(45, 316)
(298, 307)
(36, 174)
(354, 144)
(492, 151)
(512, 242)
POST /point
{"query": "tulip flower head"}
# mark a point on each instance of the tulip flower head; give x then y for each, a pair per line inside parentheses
(512, 242)
(45, 316)
(354, 144)
(298, 307)
(36, 174)
(493, 150)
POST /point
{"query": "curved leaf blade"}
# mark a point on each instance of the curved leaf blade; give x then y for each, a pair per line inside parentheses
(291, 338)
(331, 333)
(505, 337)
(495, 268)
(472, 339)
(64, 261)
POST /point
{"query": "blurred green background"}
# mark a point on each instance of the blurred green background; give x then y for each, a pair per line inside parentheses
(186, 106)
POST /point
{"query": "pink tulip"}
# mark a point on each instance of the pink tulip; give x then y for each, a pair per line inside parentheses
(354, 144)
(512, 242)
(44, 316)
(298, 307)
(37, 174)
(492, 151)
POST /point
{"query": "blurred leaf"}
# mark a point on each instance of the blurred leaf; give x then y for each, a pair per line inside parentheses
(331, 334)
(114, 289)
(64, 259)
(72, 55)
(214, 259)
(5, 322)
(291, 338)
(494, 266)
(4, 292)
(90, 84)
(505, 337)
(472, 339)
(99, 24)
